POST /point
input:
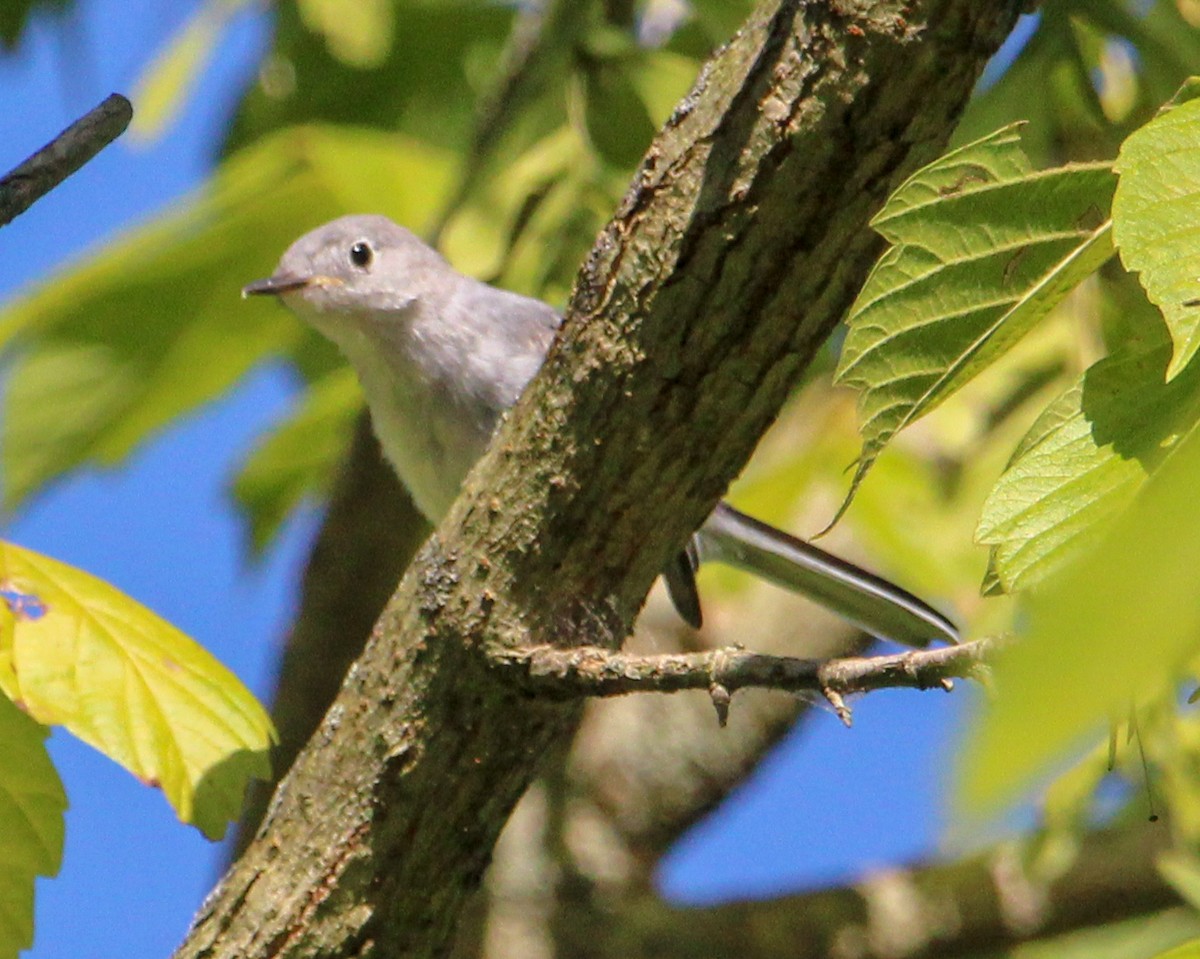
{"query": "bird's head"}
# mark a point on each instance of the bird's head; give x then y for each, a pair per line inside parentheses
(354, 265)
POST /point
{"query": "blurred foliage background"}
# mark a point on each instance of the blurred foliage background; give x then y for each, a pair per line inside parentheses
(507, 135)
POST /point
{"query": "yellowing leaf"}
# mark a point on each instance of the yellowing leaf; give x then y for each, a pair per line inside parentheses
(87, 657)
(32, 803)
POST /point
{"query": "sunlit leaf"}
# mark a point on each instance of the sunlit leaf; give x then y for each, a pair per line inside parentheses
(87, 657)
(1156, 214)
(1084, 459)
(8, 623)
(480, 236)
(32, 803)
(165, 84)
(545, 255)
(1067, 802)
(358, 32)
(296, 459)
(1116, 626)
(982, 249)
(661, 80)
(150, 327)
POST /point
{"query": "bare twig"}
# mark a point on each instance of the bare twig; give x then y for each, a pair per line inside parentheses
(588, 671)
(62, 156)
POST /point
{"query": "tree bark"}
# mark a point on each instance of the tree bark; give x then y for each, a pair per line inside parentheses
(370, 533)
(734, 254)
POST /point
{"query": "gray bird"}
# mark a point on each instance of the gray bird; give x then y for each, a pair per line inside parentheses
(441, 356)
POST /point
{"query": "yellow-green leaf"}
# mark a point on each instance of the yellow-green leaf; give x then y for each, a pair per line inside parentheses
(152, 326)
(480, 238)
(166, 82)
(358, 32)
(662, 79)
(721, 17)
(1181, 869)
(981, 249)
(1117, 626)
(1156, 213)
(87, 657)
(32, 803)
(1085, 458)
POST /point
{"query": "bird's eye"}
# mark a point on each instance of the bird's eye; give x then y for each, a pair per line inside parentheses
(361, 254)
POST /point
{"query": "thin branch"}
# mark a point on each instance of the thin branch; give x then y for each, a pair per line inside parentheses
(590, 671)
(62, 156)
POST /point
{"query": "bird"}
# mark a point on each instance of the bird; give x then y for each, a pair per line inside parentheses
(441, 356)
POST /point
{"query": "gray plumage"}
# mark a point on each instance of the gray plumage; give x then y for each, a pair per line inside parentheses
(441, 356)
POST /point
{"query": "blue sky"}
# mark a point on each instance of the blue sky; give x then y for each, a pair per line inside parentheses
(827, 804)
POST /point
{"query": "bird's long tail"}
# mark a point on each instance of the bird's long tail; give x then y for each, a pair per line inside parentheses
(877, 606)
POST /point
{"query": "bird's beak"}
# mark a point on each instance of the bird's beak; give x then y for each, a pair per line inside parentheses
(286, 283)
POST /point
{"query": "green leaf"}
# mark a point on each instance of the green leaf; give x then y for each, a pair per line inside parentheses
(32, 803)
(152, 326)
(982, 249)
(721, 18)
(296, 460)
(661, 79)
(545, 253)
(1116, 626)
(617, 121)
(1165, 43)
(1156, 216)
(1084, 459)
(440, 56)
(479, 237)
(87, 657)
